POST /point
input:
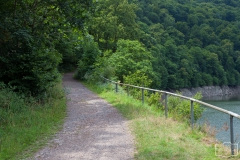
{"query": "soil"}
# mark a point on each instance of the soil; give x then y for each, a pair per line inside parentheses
(93, 129)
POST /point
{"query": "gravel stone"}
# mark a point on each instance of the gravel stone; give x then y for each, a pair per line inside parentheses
(93, 129)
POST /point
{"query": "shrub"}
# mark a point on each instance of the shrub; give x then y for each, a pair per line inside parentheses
(89, 56)
(138, 78)
(180, 108)
(155, 99)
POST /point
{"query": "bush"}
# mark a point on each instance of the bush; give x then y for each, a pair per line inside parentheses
(89, 56)
(138, 78)
(101, 68)
(180, 108)
(155, 99)
(31, 72)
(26, 123)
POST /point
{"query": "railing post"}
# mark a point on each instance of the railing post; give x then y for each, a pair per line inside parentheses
(166, 105)
(142, 95)
(192, 115)
(116, 87)
(231, 135)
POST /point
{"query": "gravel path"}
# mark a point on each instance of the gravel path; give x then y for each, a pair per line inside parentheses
(93, 129)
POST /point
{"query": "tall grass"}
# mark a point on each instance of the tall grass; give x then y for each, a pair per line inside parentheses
(157, 137)
(27, 123)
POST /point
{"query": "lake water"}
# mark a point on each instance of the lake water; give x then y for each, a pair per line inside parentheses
(221, 121)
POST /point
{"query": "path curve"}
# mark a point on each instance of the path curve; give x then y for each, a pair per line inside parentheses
(93, 129)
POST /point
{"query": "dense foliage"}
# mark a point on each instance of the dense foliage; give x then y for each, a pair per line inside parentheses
(193, 43)
(174, 43)
(38, 38)
(35, 37)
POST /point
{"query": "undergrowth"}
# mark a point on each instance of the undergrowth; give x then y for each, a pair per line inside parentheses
(26, 122)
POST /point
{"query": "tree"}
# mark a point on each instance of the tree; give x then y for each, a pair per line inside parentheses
(129, 57)
(31, 32)
(171, 51)
(183, 27)
(193, 44)
(90, 53)
(114, 20)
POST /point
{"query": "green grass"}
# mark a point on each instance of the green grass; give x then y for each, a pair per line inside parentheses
(157, 137)
(26, 125)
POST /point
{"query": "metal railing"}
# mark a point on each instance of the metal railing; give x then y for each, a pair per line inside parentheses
(231, 114)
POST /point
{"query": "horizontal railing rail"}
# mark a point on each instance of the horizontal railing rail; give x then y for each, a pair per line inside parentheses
(166, 93)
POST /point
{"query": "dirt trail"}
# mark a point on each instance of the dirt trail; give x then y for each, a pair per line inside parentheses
(93, 129)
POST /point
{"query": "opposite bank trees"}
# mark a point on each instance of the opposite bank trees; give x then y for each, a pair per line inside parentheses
(193, 44)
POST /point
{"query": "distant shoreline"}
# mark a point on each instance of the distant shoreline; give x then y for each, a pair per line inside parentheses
(211, 91)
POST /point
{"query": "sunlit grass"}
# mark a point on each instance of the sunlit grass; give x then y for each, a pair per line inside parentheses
(157, 137)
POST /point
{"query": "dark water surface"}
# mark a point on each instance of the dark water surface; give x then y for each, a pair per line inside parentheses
(221, 120)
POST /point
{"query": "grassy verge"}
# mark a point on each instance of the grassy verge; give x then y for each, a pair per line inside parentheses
(157, 137)
(26, 124)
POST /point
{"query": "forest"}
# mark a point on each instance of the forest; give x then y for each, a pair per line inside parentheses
(37, 39)
(160, 44)
(164, 45)
(174, 44)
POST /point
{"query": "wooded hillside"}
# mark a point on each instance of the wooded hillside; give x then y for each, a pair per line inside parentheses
(191, 43)
(172, 44)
